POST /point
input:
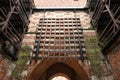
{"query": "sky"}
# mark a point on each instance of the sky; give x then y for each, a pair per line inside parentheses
(59, 78)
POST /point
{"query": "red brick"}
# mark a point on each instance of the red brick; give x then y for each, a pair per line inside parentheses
(114, 58)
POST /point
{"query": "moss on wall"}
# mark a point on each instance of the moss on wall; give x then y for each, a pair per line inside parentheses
(93, 51)
(21, 62)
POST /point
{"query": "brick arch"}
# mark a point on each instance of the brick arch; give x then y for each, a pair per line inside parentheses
(60, 68)
(60, 74)
(41, 67)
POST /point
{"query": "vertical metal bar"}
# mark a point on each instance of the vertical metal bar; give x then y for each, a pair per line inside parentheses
(69, 38)
(59, 40)
(74, 27)
(44, 49)
(38, 44)
(54, 39)
(49, 51)
(65, 45)
(80, 45)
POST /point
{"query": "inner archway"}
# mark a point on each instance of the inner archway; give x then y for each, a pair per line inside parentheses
(44, 71)
(60, 69)
(59, 76)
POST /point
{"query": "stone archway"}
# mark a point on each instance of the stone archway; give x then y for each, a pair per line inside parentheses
(44, 66)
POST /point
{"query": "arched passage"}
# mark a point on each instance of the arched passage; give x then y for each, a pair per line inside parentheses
(59, 68)
(60, 74)
(73, 66)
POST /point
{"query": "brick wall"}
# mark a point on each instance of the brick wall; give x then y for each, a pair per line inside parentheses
(3, 67)
(89, 33)
(114, 59)
(34, 22)
(6, 67)
(35, 17)
(30, 38)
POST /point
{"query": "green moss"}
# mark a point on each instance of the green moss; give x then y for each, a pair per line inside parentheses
(21, 62)
(93, 51)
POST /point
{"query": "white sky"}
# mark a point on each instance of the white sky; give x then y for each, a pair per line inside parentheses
(59, 78)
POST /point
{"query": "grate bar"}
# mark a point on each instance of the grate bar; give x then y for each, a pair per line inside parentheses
(60, 39)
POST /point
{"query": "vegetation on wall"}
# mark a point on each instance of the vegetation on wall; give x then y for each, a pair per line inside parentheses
(93, 51)
(21, 62)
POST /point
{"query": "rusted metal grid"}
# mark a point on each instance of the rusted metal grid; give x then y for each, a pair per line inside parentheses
(14, 21)
(106, 20)
(59, 38)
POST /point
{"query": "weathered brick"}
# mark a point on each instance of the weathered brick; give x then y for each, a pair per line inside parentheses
(114, 58)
